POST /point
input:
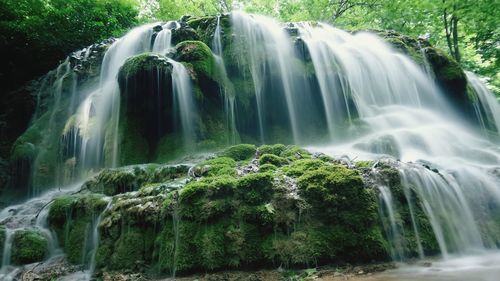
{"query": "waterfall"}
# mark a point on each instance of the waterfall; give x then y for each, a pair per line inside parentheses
(31, 216)
(404, 116)
(163, 40)
(82, 122)
(62, 72)
(393, 232)
(95, 239)
(369, 100)
(106, 99)
(268, 51)
(486, 105)
(227, 87)
(183, 101)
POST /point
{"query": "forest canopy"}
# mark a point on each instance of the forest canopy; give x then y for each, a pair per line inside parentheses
(39, 33)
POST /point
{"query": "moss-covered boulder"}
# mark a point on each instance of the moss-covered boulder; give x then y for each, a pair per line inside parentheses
(240, 152)
(72, 218)
(200, 57)
(405, 44)
(28, 246)
(236, 212)
(272, 159)
(385, 173)
(146, 101)
(131, 245)
(451, 78)
(184, 33)
(131, 178)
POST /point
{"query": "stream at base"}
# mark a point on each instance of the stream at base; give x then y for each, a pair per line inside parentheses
(480, 267)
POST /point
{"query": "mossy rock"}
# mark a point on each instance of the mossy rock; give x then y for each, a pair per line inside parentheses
(275, 149)
(272, 159)
(146, 93)
(331, 190)
(405, 44)
(199, 55)
(184, 33)
(255, 188)
(28, 246)
(220, 166)
(144, 63)
(267, 168)
(294, 152)
(115, 181)
(451, 78)
(300, 167)
(71, 217)
(240, 152)
(208, 198)
(23, 152)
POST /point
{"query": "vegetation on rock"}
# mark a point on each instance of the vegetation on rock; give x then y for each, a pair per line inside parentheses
(235, 214)
(28, 246)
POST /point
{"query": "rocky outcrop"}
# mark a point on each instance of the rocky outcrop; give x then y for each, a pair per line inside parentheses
(246, 207)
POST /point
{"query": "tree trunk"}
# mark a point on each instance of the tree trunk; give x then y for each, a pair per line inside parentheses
(454, 21)
(447, 31)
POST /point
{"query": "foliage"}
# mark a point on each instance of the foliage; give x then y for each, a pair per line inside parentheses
(45, 31)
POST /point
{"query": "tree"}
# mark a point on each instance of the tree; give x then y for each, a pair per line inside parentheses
(36, 34)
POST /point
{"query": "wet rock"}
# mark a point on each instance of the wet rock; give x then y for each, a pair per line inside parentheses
(28, 246)
(184, 33)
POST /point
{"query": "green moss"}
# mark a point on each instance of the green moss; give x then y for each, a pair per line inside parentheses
(364, 164)
(299, 167)
(23, 152)
(144, 63)
(199, 55)
(129, 251)
(71, 218)
(331, 189)
(218, 245)
(208, 198)
(451, 78)
(240, 152)
(275, 149)
(114, 181)
(297, 249)
(220, 166)
(272, 159)
(267, 168)
(134, 148)
(255, 188)
(28, 246)
(293, 152)
(170, 147)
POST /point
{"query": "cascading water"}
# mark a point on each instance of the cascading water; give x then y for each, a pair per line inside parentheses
(183, 99)
(29, 216)
(405, 117)
(227, 87)
(90, 135)
(486, 105)
(163, 40)
(105, 100)
(269, 52)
